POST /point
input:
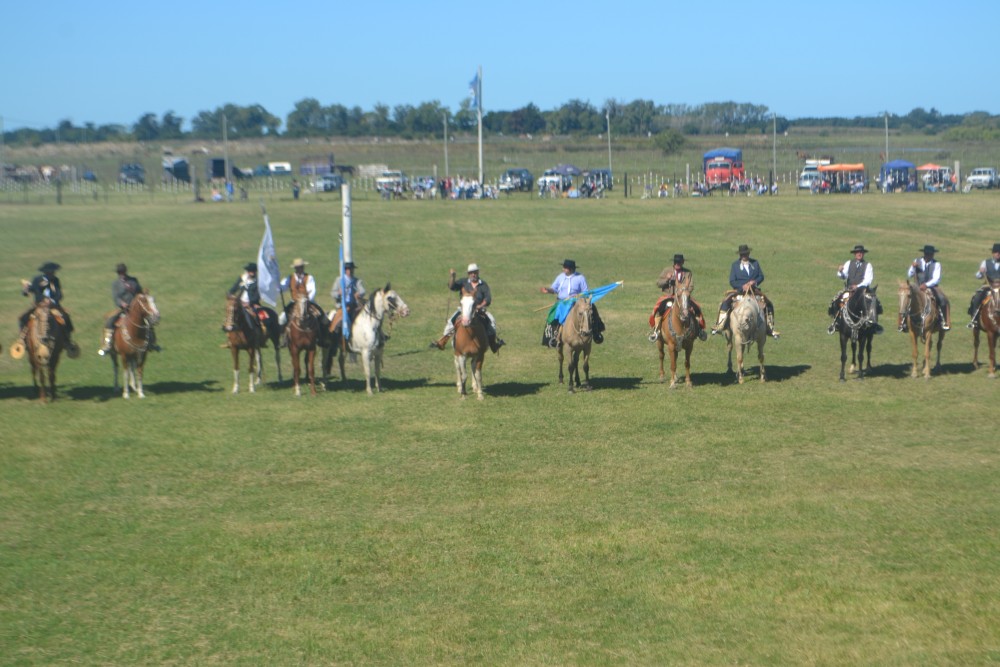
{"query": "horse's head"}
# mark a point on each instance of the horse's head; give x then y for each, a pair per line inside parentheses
(467, 306)
(682, 300)
(905, 294)
(147, 305)
(580, 317)
(394, 303)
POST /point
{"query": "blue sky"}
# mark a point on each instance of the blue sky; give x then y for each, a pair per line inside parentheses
(111, 61)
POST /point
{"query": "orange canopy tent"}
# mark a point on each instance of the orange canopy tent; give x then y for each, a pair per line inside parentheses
(930, 166)
(842, 167)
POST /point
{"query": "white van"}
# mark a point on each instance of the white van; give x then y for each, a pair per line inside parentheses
(810, 178)
(279, 168)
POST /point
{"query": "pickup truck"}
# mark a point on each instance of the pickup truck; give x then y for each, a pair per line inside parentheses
(982, 177)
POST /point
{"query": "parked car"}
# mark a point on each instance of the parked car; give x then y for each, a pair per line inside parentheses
(516, 179)
(132, 173)
(391, 180)
(550, 177)
(810, 179)
(328, 183)
(983, 177)
(592, 177)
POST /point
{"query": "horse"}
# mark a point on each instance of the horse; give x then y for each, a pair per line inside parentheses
(46, 339)
(747, 326)
(919, 311)
(367, 337)
(857, 323)
(303, 336)
(472, 343)
(988, 320)
(249, 336)
(131, 341)
(678, 329)
(577, 334)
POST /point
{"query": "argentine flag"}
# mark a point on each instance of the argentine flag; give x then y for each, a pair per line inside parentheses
(268, 273)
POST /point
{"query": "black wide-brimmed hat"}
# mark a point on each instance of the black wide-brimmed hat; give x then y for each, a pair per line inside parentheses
(678, 258)
(744, 249)
(349, 265)
(49, 267)
(859, 248)
(121, 268)
(569, 264)
(928, 249)
(251, 266)
(996, 247)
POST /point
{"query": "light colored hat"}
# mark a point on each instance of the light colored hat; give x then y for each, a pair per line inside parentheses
(299, 262)
(473, 267)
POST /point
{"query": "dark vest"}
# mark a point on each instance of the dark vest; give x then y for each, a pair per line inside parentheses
(991, 273)
(927, 273)
(856, 273)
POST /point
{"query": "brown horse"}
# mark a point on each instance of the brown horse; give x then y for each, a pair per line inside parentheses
(918, 309)
(303, 336)
(131, 341)
(988, 320)
(248, 335)
(45, 341)
(577, 334)
(856, 323)
(678, 329)
(747, 326)
(471, 343)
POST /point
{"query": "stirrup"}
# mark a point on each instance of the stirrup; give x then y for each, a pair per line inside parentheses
(653, 335)
(971, 325)
(832, 329)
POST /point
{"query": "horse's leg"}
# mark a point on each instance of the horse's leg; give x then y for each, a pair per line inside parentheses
(114, 368)
(477, 374)
(139, 365)
(940, 341)
(659, 349)
(460, 374)
(254, 368)
(236, 368)
(366, 364)
(688, 349)
(843, 355)
(340, 361)
(560, 346)
(991, 339)
(760, 356)
(296, 368)
(673, 364)
(586, 367)
(571, 368)
(127, 382)
(913, 344)
(868, 349)
(377, 358)
(311, 368)
(729, 352)
(739, 359)
(975, 348)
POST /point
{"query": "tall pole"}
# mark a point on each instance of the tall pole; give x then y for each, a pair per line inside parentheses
(3, 172)
(886, 136)
(607, 116)
(774, 149)
(444, 114)
(225, 150)
(479, 113)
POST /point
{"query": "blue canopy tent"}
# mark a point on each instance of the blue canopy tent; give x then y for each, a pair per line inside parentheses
(899, 170)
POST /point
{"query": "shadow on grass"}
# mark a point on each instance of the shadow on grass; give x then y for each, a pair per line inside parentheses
(513, 389)
(108, 392)
(628, 383)
(358, 384)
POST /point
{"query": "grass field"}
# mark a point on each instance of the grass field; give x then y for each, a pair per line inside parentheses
(798, 521)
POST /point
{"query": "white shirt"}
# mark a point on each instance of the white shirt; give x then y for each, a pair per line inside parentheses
(935, 274)
(981, 273)
(869, 273)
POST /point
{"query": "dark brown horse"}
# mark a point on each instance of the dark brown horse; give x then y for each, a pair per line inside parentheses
(303, 331)
(131, 341)
(856, 323)
(46, 339)
(918, 309)
(471, 343)
(988, 320)
(678, 329)
(250, 336)
(577, 333)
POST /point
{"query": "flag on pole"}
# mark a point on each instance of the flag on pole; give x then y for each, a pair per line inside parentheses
(268, 273)
(560, 309)
(475, 91)
(345, 321)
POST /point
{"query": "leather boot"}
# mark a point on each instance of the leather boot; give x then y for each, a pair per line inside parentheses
(440, 342)
(721, 323)
(106, 347)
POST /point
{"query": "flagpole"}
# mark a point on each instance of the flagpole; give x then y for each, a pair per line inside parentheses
(479, 112)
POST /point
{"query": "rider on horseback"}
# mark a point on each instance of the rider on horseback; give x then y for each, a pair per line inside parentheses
(351, 290)
(45, 286)
(857, 275)
(123, 290)
(669, 279)
(483, 298)
(744, 275)
(302, 285)
(248, 292)
(989, 270)
(568, 284)
(927, 272)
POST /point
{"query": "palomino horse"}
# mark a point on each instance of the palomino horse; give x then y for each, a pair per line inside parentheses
(678, 329)
(303, 336)
(919, 310)
(577, 334)
(45, 341)
(367, 338)
(747, 326)
(856, 323)
(472, 343)
(131, 341)
(988, 320)
(249, 336)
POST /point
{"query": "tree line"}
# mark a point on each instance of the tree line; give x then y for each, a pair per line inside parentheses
(310, 118)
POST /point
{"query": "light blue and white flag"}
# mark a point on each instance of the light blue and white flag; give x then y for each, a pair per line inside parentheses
(561, 309)
(475, 90)
(268, 273)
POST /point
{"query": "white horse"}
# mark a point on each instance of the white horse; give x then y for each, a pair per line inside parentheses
(367, 338)
(747, 326)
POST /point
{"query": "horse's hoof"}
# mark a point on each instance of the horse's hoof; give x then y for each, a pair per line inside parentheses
(843, 379)
(991, 376)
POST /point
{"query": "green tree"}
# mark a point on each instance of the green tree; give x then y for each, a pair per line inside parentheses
(669, 141)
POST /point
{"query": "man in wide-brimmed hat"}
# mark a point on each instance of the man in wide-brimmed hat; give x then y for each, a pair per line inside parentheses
(566, 285)
(989, 270)
(927, 272)
(668, 281)
(302, 285)
(857, 275)
(745, 275)
(247, 291)
(46, 286)
(483, 298)
(349, 289)
(123, 291)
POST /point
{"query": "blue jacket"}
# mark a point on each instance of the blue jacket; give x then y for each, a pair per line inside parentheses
(738, 277)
